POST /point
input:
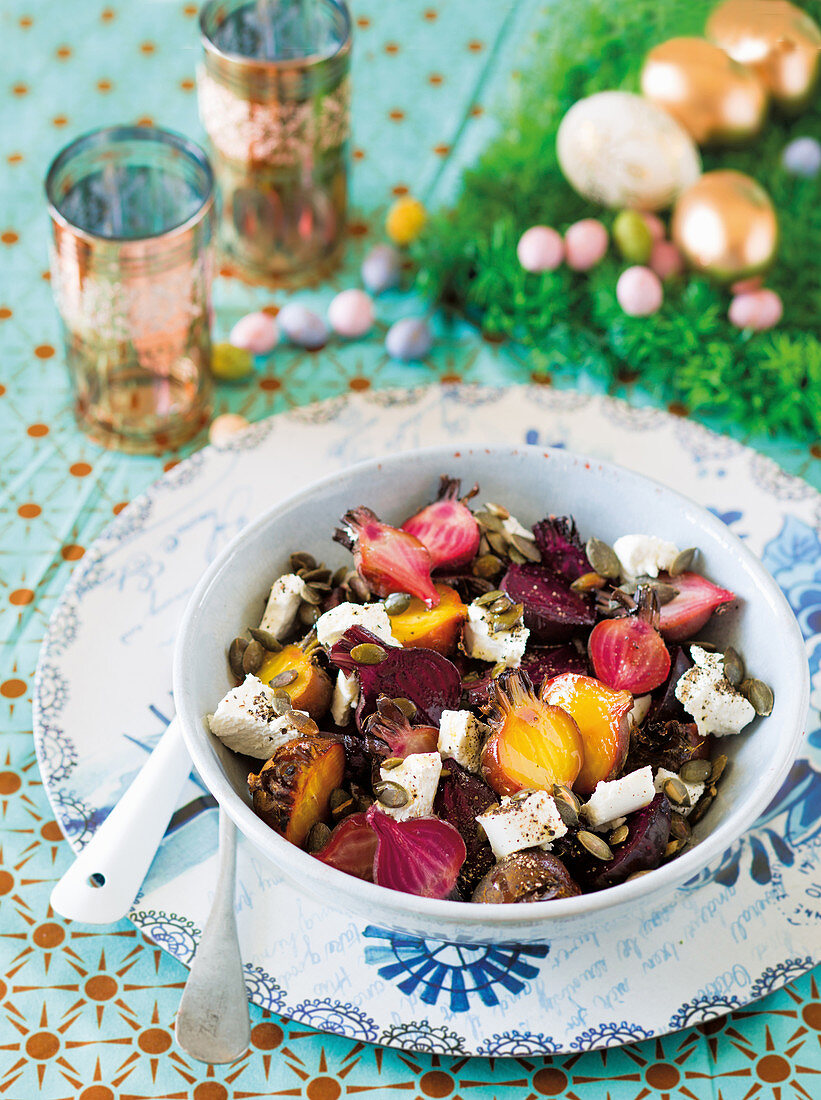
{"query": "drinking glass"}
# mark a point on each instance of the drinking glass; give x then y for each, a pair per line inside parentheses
(132, 216)
(274, 99)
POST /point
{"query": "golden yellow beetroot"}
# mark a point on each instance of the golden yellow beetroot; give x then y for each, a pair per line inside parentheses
(532, 744)
(435, 629)
(312, 689)
(600, 713)
(293, 789)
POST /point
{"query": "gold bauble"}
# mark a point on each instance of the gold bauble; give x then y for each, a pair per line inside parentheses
(713, 97)
(776, 39)
(725, 225)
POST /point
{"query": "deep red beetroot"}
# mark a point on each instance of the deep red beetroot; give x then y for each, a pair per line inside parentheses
(389, 560)
(460, 797)
(540, 663)
(391, 725)
(552, 611)
(351, 847)
(447, 528)
(558, 541)
(628, 654)
(691, 609)
(421, 856)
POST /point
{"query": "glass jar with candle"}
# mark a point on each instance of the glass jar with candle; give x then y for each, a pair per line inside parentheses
(274, 98)
(132, 211)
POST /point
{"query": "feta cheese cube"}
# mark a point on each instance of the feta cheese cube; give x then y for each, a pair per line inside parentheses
(245, 720)
(619, 797)
(345, 698)
(694, 790)
(419, 775)
(283, 605)
(460, 738)
(332, 625)
(641, 705)
(644, 555)
(709, 697)
(506, 647)
(523, 821)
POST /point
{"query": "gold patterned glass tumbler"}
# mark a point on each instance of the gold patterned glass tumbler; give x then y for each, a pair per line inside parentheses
(274, 98)
(132, 217)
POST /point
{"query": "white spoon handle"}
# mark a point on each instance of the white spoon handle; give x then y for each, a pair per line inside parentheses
(121, 850)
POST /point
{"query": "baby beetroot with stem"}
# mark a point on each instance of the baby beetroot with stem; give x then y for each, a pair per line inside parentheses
(387, 558)
(447, 527)
(629, 654)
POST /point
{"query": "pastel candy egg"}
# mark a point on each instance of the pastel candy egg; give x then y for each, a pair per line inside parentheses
(224, 427)
(540, 248)
(632, 236)
(409, 339)
(405, 220)
(665, 259)
(802, 157)
(351, 313)
(229, 363)
(585, 244)
(639, 291)
(302, 326)
(654, 224)
(757, 310)
(380, 268)
(255, 332)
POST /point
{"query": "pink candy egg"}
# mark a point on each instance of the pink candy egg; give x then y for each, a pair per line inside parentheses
(351, 313)
(665, 259)
(585, 244)
(540, 248)
(255, 332)
(757, 310)
(639, 291)
(225, 427)
(654, 224)
(745, 286)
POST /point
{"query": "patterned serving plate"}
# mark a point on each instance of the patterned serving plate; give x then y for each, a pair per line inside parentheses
(745, 926)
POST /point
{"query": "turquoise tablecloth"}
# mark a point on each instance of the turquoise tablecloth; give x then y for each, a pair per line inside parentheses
(88, 1012)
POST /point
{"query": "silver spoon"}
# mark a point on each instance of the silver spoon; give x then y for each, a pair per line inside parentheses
(213, 1024)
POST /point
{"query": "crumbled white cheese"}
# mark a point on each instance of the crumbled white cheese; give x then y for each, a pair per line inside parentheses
(505, 647)
(709, 697)
(644, 555)
(345, 698)
(460, 738)
(694, 790)
(283, 605)
(245, 720)
(523, 821)
(641, 705)
(619, 797)
(419, 775)
(332, 625)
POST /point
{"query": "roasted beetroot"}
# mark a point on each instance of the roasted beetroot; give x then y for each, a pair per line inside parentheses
(389, 560)
(420, 856)
(668, 706)
(557, 540)
(391, 725)
(539, 662)
(460, 797)
(692, 608)
(552, 611)
(667, 744)
(447, 527)
(648, 833)
(530, 875)
(351, 847)
(429, 680)
(628, 654)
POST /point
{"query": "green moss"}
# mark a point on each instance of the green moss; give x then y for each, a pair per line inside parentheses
(688, 352)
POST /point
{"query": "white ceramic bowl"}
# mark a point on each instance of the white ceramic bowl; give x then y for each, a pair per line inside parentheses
(607, 501)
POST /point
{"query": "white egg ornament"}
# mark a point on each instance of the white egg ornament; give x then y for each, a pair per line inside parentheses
(302, 326)
(409, 339)
(619, 150)
(381, 268)
(350, 313)
(255, 332)
(540, 248)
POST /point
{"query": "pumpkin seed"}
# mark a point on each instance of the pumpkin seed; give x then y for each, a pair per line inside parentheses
(366, 653)
(682, 561)
(252, 658)
(391, 763)
(339, 576)
(603, 559)
(308, 614)
(618, 836)
(526, 548)
(679, 828)
(340, 802)
(391, 795)
(236, 651)
(637, 874)
(359, 588)
(695, 771)
(733, 666)
(719, 764)
(302, 560)
(320, 574)
(567, 804)
(488, 598)
(302, 722)
(759, 694)
(497, 510)
(407, 706)
(501, 603)
(515, 556)
(281, 703)
(507, 620)
(597, 847)
(488, 565)
(265, 639)
(489, 522)
(676, 791)
(672, 847)
(665, 592)
(586, 582)
(701, 808)
(397, 603)
(497, 543)
(318, 837)
(312, 595)
(284, 678)
(708, 647)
